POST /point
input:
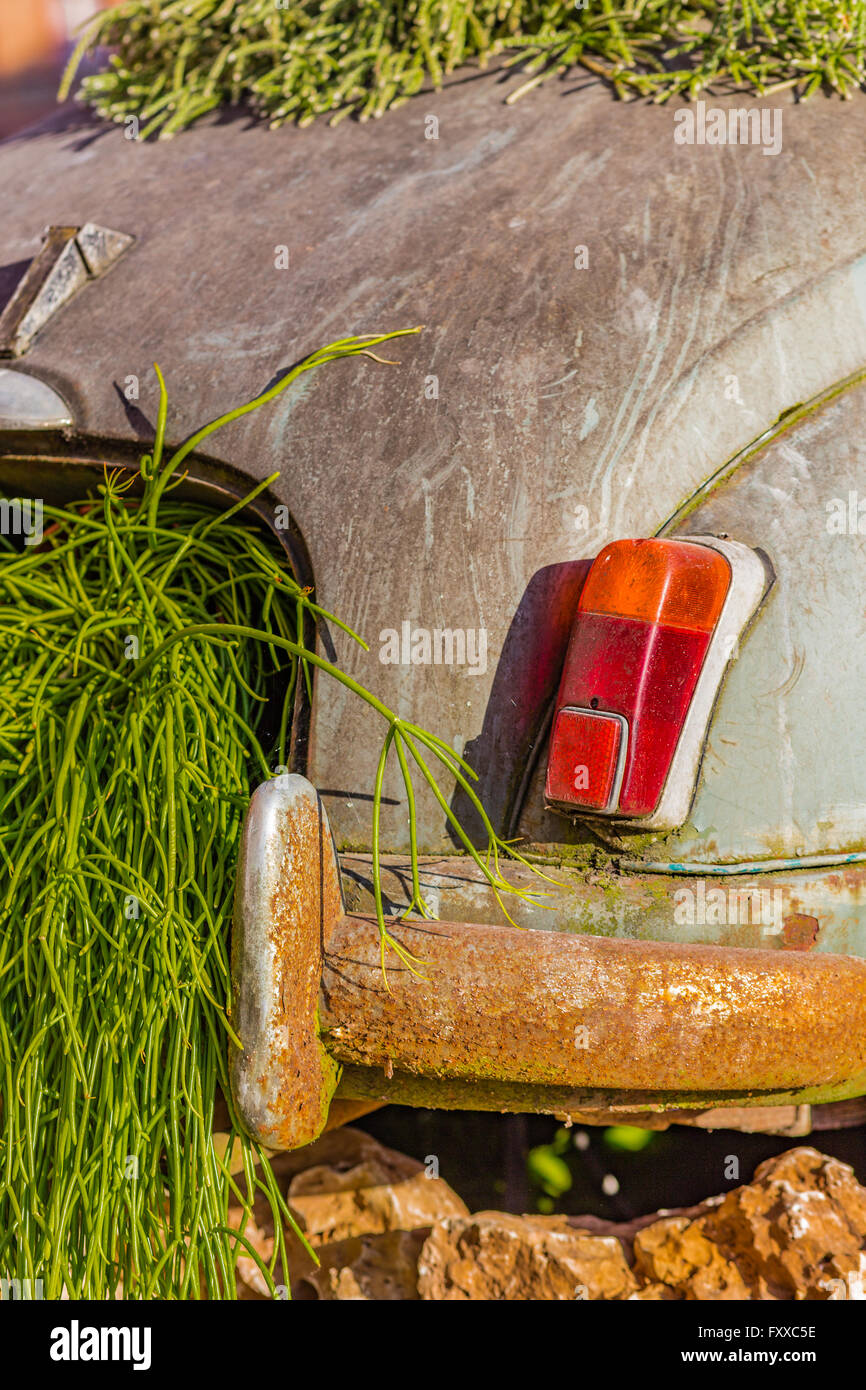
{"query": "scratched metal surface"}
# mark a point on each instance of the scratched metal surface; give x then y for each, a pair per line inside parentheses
(558, 388)
(792, 910)
(784, 772)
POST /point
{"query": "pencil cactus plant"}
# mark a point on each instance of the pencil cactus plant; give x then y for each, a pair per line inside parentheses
(139, 643)
(173, 62)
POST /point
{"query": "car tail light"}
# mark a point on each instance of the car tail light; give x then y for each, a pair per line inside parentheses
(656, 625)
(590, 758)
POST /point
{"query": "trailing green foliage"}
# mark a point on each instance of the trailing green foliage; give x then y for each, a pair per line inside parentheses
(174, 60)
(150, 651)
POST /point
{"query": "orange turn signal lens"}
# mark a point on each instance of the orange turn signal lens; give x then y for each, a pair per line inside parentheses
(677, 585)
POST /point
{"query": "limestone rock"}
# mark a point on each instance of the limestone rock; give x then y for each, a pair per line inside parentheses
(346, 1186)
(676, 1252)
(372, 1190)
(797, 1231)
(496, 1256)
(380, 1267)
(800, 1223)
(383, 1230)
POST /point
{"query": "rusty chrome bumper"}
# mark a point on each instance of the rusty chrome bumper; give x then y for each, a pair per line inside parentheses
(507, 1019)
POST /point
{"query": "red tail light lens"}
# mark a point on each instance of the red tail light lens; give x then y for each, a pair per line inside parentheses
(589, 755)
(647, 617)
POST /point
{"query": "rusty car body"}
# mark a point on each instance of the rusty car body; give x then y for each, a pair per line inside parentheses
(625, 337)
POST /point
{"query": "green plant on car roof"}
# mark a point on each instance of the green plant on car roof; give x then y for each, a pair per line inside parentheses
(173, 62)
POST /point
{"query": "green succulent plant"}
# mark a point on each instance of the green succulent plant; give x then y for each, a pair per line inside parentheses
(141, 642)
(174, 60)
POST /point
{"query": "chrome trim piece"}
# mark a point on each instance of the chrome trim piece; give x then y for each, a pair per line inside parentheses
(26, 403)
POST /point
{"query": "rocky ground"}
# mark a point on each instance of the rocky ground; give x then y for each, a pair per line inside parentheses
(383, 1229)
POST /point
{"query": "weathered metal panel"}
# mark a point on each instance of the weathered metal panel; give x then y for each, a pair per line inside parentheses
(558, 388)
(499, 1004)
(794, 910)
(784, 772)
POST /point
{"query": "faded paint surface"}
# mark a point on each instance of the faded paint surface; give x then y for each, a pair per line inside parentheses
(784, 772)
(559, 388)
(820, 911)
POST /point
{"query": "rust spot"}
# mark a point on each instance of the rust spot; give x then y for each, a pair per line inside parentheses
(305, 899)
(288, 899)
(799, 932)
(539, 1008)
